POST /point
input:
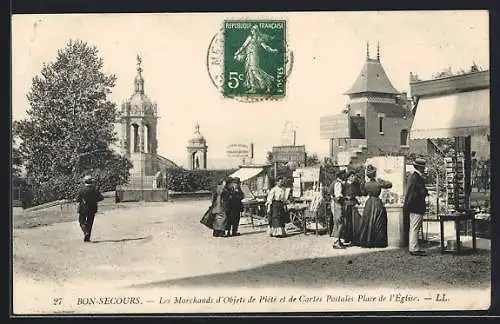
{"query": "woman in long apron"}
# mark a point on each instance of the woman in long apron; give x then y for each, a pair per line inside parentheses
(276, 209)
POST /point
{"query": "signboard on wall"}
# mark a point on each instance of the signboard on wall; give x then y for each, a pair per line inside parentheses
(334, 126)
(290, 153)
(237, 150)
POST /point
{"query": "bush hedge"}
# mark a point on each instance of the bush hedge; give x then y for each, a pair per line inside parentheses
(183, 180)
(65, 187)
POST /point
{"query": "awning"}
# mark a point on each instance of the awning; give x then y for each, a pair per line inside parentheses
(459, 114)
(246, 173)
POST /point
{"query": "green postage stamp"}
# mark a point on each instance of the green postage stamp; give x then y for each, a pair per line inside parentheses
(254, 58)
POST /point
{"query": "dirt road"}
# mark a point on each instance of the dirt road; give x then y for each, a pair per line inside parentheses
(163, 247)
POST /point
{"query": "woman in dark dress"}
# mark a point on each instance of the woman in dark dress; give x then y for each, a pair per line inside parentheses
(220, 198)
(373, 229)
(350, 190)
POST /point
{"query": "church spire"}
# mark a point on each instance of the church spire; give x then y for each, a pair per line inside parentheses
(367, 50)
(139, 81)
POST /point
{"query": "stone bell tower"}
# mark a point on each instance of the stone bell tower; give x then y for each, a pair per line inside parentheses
(197, 151)
(138, 134)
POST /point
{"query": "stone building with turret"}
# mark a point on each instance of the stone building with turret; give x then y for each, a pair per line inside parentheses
(376, 120)
(138, 125)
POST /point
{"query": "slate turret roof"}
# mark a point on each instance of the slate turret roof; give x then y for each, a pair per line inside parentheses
(372, 78)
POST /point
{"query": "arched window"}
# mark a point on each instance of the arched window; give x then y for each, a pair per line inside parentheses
(404, 137)
(134, 138)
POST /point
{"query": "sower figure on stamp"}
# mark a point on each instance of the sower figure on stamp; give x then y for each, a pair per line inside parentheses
(415, 205)
(236, 195)
(87, 199)
(338, 218)
(255, 77)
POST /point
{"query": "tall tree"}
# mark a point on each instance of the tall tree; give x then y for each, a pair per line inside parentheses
(70, 123)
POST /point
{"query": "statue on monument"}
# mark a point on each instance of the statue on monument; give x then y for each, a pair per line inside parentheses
(197, 163)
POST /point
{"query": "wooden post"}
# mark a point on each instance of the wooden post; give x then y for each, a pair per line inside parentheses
(437, 194)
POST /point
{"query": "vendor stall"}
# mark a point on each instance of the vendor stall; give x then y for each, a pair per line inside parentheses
(306, 181)
(308, 210)
(455, 108)
(255, 177)
(255, 185)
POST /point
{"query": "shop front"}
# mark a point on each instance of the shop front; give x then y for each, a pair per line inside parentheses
(255, 185)
(254, 179)
(454, 108)
(308, 208)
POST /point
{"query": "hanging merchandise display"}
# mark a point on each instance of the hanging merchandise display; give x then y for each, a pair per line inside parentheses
(455, 184)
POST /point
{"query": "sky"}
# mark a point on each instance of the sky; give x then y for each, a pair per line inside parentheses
(329, 49)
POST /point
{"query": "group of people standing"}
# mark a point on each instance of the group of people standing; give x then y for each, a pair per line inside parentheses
(370, 229)
(227, 207)
(348, 229)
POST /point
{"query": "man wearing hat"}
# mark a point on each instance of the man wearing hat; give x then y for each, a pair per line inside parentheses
(337, 209)
(235, 207)
(88, 197)
(415, 206)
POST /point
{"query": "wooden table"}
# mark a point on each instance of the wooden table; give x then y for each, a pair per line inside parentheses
(300, 214)
(297, 215)
(253, 208)
(457, 218)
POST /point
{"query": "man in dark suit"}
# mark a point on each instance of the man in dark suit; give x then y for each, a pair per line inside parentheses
(87, 198)
(235, 205)
(415, 205)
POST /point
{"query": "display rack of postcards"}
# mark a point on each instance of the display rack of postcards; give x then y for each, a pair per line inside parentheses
(456, 198)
